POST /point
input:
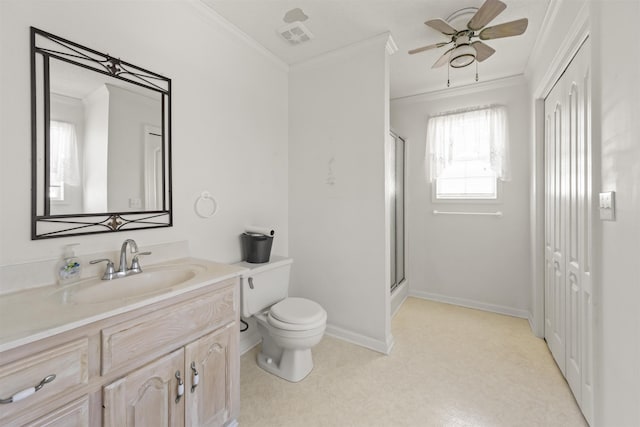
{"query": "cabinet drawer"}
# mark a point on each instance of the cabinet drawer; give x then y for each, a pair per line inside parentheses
(67, 362)
(75, 414)
(156, 333)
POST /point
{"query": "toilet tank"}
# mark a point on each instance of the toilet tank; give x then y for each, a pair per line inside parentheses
(263, 285)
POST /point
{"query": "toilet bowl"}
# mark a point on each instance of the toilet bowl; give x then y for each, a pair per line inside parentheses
(286, 347)
(289, 326)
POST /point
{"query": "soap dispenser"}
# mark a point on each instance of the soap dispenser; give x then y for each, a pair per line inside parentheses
(69, 268)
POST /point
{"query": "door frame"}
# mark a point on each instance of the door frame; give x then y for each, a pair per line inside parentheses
(152, 149)
(576, 36)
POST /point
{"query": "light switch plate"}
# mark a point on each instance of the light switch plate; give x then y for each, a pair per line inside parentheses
(608, 206)
(135, 203)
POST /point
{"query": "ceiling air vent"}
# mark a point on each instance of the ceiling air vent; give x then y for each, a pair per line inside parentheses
(295, 33)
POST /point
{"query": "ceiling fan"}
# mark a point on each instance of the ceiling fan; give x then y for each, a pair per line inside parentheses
(465, 50)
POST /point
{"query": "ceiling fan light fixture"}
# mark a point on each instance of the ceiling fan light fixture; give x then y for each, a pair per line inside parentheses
(466, 50)
(459, 18)
(462, 56)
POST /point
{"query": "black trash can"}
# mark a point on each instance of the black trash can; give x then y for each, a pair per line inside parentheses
(256, 247)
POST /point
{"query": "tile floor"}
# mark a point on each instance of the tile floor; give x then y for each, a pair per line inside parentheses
(450, 366)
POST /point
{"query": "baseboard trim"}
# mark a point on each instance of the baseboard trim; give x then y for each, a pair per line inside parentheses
(398, 297)
(463, 302)
(248, 340)
(361, 340)
(532, 325)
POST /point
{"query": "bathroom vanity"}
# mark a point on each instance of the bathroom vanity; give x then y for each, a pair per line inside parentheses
(161, 356)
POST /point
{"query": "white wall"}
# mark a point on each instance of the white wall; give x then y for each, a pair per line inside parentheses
(616, 111)
(338, 124)
(477, 261)
(229, 121)
(616, 167)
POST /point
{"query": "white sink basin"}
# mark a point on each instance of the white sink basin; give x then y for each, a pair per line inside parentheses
(155, 280)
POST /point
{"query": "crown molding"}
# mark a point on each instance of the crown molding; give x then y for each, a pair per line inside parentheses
(391, 46)
(383, 40)
(575, 37)
(214, 16)
(462, 90)
(549, 19)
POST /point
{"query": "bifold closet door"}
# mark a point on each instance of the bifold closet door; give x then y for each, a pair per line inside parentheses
(554, 312)
(568, 228)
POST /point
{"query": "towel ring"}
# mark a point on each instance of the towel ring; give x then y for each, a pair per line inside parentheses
(205, 206)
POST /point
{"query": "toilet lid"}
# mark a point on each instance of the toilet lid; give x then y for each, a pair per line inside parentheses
(298, 311)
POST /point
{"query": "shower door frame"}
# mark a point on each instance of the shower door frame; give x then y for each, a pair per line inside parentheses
(396, 280)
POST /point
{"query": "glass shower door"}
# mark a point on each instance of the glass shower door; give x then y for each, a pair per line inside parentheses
(396, 197)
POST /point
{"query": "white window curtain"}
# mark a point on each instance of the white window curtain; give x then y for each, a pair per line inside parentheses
(63, 154)
(479, 134)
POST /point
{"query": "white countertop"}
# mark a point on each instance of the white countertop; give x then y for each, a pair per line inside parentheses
(34, 314)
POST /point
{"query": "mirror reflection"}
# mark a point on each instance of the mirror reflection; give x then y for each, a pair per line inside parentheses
(105, 143)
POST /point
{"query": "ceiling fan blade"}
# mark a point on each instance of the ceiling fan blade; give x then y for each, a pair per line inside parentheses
(508, 29)
(429, 47)
(489, 10)
(483, 51)
(442, 26)
(443, 59)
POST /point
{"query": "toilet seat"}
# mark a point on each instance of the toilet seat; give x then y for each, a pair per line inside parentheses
(297, 314)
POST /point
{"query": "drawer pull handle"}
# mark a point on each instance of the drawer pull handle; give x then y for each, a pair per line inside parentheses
(180, 387)
(196, 377)
(28, 392)
(250, 282)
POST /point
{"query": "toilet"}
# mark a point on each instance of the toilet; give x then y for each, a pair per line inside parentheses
(289, 326)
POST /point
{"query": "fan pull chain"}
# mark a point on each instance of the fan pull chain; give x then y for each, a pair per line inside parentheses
(476, 70)
(448, 71)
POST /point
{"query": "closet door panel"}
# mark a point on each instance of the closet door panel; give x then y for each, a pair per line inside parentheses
(573, 194)
(550, 189)
(569, 217)
(586, 311)
(555, 306)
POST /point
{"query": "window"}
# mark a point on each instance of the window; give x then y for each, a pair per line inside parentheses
(63, 159)
(468, 153)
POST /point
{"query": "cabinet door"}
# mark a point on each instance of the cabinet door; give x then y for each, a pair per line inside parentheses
(212, 402)
(147, 396)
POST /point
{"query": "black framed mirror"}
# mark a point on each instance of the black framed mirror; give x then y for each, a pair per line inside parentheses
(101, 142)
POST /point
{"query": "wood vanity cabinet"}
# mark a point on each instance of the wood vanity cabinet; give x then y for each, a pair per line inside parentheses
(152, 395)
(172, 363)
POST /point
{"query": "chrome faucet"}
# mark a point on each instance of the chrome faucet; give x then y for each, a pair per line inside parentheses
(123, 254)
(110, 273)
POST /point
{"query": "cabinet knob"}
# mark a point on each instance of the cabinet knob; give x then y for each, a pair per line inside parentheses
(180, 386)
(196, 377)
